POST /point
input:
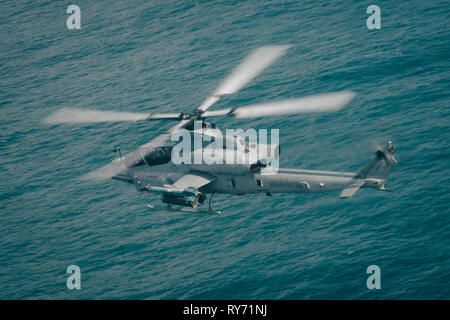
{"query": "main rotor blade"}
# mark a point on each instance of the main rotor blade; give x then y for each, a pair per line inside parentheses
(315, 103)
(217, 113)
(250, 67)
(72, 115)
(119, 166)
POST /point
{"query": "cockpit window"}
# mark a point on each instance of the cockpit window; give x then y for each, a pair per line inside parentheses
(160, 155)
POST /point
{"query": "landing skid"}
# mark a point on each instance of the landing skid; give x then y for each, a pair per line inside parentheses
(183, 209)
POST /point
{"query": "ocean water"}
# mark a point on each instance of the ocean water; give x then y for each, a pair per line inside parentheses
(167, 56)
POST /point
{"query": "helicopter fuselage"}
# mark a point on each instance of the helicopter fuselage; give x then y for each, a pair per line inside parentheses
(186, 182)
(242, 181)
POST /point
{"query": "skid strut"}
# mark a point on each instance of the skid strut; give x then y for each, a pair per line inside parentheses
(210, 202)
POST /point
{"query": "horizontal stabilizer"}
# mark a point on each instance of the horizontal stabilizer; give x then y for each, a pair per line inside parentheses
(352, 189)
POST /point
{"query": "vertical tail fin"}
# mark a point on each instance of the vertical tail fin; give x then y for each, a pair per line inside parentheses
(375, 173)
(381, 165)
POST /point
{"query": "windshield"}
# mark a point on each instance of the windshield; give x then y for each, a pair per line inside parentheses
(160, 155)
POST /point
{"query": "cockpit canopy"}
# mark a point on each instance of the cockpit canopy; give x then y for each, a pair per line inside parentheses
(212, 138)
(160, 155)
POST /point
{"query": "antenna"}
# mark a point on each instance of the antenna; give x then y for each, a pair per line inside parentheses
(117, 150)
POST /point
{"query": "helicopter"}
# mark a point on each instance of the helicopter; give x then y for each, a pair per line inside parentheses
(152, 168)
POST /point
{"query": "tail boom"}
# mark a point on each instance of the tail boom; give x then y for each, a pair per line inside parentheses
(373, 175)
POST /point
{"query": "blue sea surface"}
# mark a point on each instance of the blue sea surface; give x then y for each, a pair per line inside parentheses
(167, 56)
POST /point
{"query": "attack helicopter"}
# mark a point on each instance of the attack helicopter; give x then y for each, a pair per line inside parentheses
(151, 167)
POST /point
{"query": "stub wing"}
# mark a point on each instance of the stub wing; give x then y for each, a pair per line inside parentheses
(184, 191)
(193, 180)
(187, 185)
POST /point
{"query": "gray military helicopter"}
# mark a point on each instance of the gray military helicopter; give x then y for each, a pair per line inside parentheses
(151, 168)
